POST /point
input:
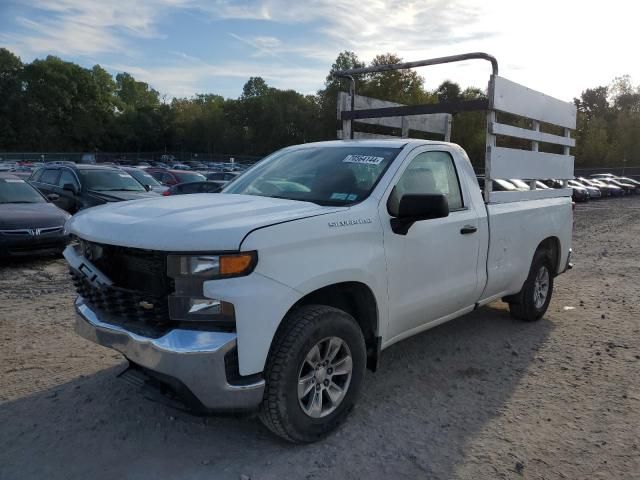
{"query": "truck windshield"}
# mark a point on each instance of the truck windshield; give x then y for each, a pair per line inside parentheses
(323, 175)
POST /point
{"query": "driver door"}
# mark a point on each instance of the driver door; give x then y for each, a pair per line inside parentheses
(432, 268)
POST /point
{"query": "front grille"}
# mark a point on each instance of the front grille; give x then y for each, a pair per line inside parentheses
(140, 283)
(31, 232)
(131, 268)
(123, 303)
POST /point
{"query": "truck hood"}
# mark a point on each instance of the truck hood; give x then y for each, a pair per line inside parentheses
(196, 222)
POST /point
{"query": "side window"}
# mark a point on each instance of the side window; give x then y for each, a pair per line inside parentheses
(166, 178)
(432, 172)
(50, 176)
(67, 177)
(35, 176)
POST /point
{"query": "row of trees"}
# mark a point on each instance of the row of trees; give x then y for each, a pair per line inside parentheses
(54, 105)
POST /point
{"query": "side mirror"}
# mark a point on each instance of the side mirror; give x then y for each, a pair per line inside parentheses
(414, 208)
(147, 187)
(70, 187)
(52, 197)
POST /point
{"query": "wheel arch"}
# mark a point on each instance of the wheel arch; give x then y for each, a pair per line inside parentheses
(552, 245)
(358, 300)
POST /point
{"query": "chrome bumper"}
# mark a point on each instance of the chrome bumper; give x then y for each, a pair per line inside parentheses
(195, 358)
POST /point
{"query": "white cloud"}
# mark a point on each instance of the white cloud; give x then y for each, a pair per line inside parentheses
(560, 48)
(86, 27)
(186, 79)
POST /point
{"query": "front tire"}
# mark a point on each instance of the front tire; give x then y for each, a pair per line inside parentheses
(534, 298)
(314, 373)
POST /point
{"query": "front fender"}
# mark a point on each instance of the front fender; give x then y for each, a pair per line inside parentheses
(260, 304)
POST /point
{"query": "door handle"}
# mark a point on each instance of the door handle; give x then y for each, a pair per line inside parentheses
(468, 229)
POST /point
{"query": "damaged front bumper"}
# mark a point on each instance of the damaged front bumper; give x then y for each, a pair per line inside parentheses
(194, 359)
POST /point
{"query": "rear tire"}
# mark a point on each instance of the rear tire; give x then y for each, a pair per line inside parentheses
(306, 367)
(531, 303)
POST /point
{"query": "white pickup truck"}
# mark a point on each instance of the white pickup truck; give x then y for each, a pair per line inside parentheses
(277, 294)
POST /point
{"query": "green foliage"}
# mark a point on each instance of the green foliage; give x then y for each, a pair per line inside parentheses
(53, 105)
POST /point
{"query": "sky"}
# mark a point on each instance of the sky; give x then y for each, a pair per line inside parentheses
(184, 47)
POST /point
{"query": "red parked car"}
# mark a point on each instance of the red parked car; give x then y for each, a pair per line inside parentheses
(174, 177)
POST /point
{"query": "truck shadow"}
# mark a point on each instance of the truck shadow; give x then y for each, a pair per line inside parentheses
(416, 416)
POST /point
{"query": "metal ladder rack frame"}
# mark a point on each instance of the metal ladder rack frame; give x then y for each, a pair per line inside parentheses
(502, 96)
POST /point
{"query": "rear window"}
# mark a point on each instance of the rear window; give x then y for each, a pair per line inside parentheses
(184, 177)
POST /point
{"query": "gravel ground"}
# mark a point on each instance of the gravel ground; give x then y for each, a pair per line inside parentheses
(483, 396)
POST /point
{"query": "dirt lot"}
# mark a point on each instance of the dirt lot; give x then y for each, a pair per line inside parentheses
(483, 396)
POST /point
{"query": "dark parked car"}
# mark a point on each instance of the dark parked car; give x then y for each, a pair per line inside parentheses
(195, 187)
(29, 223)
(226, 176)
(170, 177)
(145, 178)
(84, 186)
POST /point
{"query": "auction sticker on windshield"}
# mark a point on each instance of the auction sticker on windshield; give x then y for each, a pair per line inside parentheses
(13, 180)
(365, 159)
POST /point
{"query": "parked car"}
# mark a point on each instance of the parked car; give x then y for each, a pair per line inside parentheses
(29, 223)
(171, 177)
(88, 158)
(180, 166)
(520, 184)
(196, 165)
(578, 193)
(606, 189)
(145, 179)
(628, 188)
(498, 185)
(210, 186)
(226, 176)
(592, 191)
(83, 186)
(602, 175)
(631, 181)
(22, 172)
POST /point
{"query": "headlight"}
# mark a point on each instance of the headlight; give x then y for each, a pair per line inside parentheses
(189, 273)
(210, 267)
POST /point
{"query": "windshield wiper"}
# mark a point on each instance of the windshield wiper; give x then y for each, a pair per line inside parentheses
(20, 201)
(322, 203)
